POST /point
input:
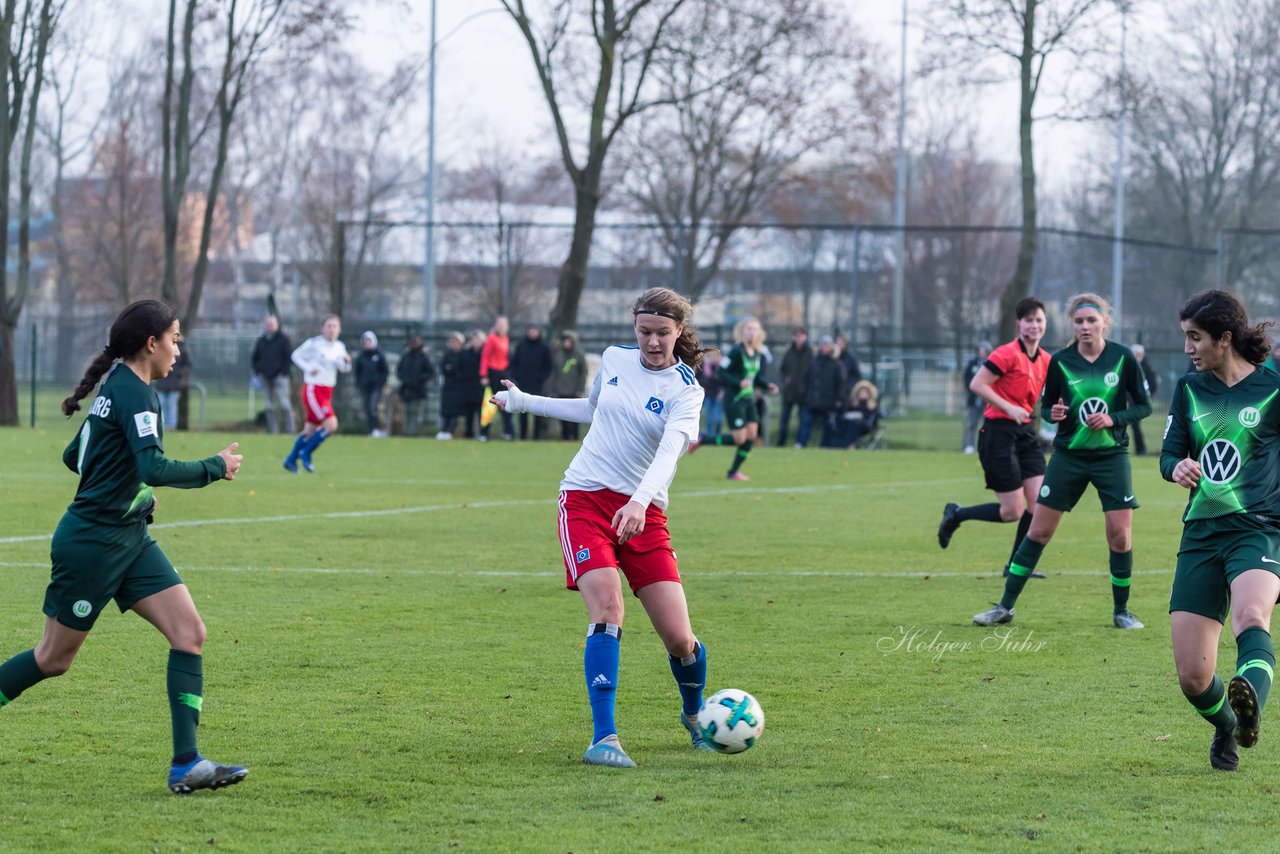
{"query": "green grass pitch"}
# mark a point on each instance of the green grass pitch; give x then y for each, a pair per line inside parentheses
(391, 651)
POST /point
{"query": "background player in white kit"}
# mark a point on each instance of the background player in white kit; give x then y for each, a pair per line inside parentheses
(320, 358)
(643, 410)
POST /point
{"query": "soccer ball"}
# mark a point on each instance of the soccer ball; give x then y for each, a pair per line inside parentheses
(731, 720)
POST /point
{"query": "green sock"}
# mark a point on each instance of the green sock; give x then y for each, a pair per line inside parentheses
(186, 686)
(17, 675)
(721, 439)
(1256, 661)
(740, 456)
(1020, 569)
(1121, 572)
(1212, 704)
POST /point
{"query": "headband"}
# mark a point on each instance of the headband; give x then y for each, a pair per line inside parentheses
(1096, 308)
(665, 314)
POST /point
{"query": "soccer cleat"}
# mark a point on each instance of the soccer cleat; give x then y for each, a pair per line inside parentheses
(737, 475)
(608, 751)
(1126, 620)
(201, 773)
(1222, 752)
(291, 466)
(998, 615)
(948, 525)
(1244, 702)
(306, 464)
(690, 722)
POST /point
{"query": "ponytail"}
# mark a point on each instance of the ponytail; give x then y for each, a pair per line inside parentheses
(99, 366)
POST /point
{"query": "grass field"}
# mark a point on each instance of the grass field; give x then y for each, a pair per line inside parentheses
(391, 652)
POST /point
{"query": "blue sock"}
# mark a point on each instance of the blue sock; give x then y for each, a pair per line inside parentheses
(600, 664)
(309, 447)
(691, 678)
(297, 449)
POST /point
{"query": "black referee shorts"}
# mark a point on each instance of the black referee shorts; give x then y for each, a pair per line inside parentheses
(1010, 454)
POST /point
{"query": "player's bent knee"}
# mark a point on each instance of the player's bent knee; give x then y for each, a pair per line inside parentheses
(1249, 615)
(683, 647)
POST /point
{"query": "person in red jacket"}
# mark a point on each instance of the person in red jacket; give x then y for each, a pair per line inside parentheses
(495, 362)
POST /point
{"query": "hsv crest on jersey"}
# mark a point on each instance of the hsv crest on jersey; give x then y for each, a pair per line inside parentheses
(654, 405)
(582, 554)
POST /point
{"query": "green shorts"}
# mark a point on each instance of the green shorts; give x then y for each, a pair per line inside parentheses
(1069, 473)
(93, 564)
(1212, 553)
(741, 411)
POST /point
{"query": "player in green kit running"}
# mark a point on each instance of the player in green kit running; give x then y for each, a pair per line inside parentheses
(742, 375)
(101, 549)
(1093, 391)
(1222, 442)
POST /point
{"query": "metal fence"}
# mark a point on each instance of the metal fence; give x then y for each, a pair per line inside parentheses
(830, 279)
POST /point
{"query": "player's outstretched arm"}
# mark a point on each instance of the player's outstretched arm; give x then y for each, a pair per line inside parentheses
(155, 469)
(512, 399)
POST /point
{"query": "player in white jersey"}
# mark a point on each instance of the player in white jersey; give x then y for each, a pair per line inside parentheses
(643, 410)
(320, 358)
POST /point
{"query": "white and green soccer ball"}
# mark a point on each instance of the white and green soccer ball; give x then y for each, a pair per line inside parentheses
(731, 720)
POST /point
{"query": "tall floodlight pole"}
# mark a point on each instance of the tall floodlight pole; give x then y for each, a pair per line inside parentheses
(1117, 243)
(900, 195)
(429, 265)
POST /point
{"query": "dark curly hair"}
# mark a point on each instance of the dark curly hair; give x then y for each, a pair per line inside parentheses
(140, 321)
(1218, 312)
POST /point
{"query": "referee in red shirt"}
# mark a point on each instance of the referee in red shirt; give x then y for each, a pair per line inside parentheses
(1010, 381)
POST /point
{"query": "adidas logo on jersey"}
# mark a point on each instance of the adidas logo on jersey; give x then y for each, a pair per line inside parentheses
(613, 381)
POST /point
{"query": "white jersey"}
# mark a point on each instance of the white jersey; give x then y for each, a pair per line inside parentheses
(321, 359)
(633, 407)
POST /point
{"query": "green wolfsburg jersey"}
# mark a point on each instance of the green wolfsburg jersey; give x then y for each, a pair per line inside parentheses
(739, 366)
(1112, 383)
(1234, 433)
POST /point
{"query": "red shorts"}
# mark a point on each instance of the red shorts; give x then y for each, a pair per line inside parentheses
(589, 541)
(316, 402)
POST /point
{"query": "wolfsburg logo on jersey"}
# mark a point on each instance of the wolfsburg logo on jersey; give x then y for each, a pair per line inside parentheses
(1220, 461)
(1090, 407)
(1250, 416)
(1112, 379)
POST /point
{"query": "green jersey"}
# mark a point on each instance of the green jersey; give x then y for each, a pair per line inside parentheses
(1112, 383)
(119, 454)
(739, 366)
(1234, 433)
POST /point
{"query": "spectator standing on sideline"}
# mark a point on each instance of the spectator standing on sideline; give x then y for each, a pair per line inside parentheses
(1153, 383)
(270, 364)
(792, 371)
(475, 398)
(459, 371)
(371, 374)
(973, 405)
(415, 373)
(170, 388)
(823, 388)
(530, 368)
(852, 373)
(568, 379)
(495, 366)
(712, 394)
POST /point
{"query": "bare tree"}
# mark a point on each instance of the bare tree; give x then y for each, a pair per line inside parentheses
(755, 87)
(1206, 132)
(1028, 33)
(24, 43)
(593, 61)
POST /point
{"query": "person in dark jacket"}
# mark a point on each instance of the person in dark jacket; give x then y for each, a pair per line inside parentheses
(270, 365)
(795, 364)
(371, 373)
(415, 373)
(171, 387)
(530, 367)
(852, 372)
(1152, 380)
(824, 387)
(568, 378)
(973, 405)
(459, 371)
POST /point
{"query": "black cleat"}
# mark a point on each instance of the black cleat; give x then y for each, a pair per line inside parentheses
(1244, 702)
(948, 525)
(1222, 752)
